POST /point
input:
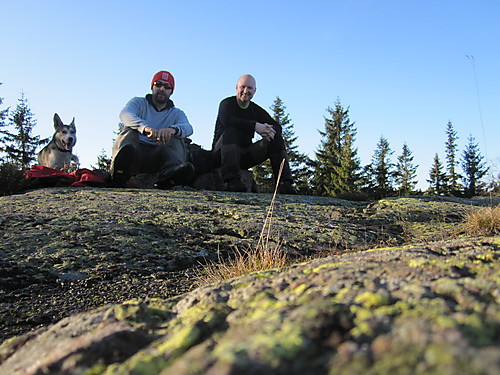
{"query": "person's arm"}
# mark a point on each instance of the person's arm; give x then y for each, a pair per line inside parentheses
(181, 125)
(266, 126)
(265, 118)
(266, 131)
(130, 115)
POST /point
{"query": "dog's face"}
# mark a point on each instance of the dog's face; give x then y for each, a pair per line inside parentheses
(65, 135)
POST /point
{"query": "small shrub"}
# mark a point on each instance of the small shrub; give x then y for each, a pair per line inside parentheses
(484, 221)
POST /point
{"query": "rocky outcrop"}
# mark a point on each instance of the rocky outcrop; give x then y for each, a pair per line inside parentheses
(431, 307)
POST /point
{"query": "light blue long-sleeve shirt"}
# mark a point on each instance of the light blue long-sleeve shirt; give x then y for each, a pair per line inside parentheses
(139, 113)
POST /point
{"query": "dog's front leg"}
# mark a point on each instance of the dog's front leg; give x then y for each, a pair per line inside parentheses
(75, 162)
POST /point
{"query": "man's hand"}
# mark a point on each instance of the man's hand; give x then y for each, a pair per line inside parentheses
(266, 131)
(162, 135)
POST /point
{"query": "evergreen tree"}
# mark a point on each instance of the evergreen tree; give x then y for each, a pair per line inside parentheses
(299, 162)
(473, 167)
(103, 161)
(379, 174)
(405, 172)
(452, 177)
(437, 178)
(21, 146)
(337, 165)
(263, 176)
(366, 181)
(3, 131)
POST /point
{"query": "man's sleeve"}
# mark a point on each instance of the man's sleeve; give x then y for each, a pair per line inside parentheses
(129, 116)
(182, 125)
(265, 117)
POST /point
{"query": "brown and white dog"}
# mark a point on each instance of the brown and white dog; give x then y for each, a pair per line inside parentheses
(58, 154)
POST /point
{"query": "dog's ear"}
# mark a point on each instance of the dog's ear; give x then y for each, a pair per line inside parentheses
(73, 124)
(57, 121)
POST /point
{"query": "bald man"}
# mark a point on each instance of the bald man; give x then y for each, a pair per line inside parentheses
(237, 122)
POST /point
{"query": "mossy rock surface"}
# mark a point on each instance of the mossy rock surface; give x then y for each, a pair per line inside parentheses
(424, 303)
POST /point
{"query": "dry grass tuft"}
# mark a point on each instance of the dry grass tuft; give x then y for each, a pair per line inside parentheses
(266, 255)
(245, 262)
(483, 221)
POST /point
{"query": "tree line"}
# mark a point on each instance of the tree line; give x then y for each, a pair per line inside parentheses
(18, 147)
(335, 171)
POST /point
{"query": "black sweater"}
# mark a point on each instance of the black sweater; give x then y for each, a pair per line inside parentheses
(232, 115)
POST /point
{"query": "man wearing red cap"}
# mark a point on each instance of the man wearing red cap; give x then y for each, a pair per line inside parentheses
(152, 138)
(237, 122)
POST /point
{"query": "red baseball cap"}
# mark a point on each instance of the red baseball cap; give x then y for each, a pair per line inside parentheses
(163, 75)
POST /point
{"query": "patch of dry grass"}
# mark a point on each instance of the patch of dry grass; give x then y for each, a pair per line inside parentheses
(483, 221)
(245, 262)
(266, 255)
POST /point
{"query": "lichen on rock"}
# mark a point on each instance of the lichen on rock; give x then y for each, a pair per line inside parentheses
(426, 307)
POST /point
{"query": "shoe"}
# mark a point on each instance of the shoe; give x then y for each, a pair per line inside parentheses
(180, 175)
(236, 185)
(122, 165)
(286, 187)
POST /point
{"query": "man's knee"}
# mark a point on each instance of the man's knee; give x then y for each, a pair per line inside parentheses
(175, 149)
(259, 151)
(127, 136)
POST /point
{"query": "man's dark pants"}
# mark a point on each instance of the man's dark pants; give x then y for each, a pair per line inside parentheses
(148, 158)
(233, 153)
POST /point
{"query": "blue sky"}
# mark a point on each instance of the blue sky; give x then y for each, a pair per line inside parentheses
(400, 66)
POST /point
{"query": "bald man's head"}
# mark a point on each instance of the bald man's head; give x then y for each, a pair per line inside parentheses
(245, 90)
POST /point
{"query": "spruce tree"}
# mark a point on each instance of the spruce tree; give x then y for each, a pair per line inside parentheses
(452, 177)
(379, 174)
(473, 167)
(366, 181)
(337, 165)
(263, 177)
(103, 161)
(299, 162)
(405, 172)
(21, 146)
(3, 131)
(437, 177)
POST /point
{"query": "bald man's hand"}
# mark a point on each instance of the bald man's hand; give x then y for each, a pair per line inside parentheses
(266, 131)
